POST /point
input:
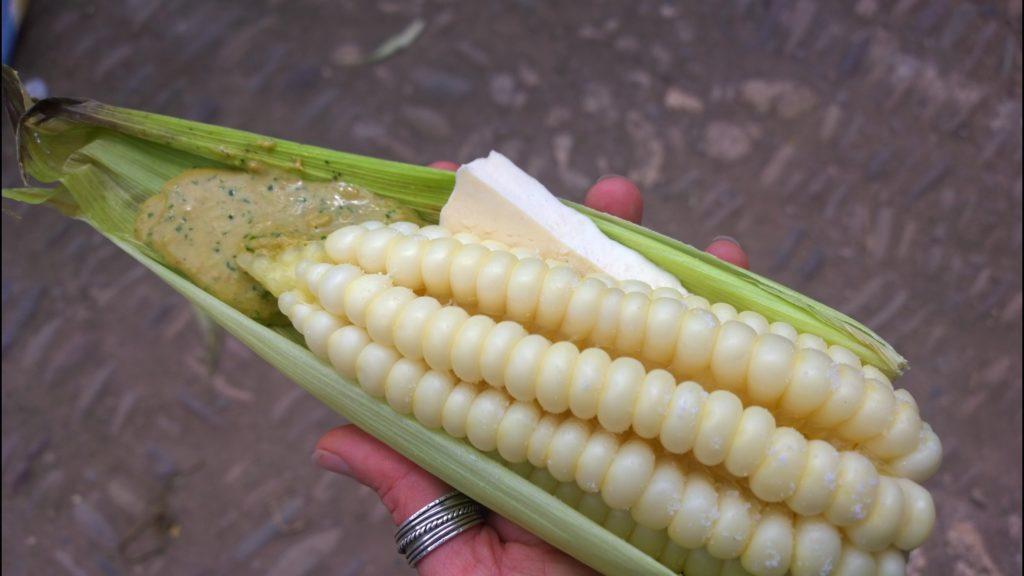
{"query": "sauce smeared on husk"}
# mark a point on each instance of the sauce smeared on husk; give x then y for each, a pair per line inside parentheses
(203, 219)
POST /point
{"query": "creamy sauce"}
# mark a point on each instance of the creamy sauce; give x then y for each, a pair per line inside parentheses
(203, 219)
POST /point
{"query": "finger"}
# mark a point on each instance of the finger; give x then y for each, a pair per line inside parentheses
(402, 486)
(444, 165)
(728, 249)
(617, 196)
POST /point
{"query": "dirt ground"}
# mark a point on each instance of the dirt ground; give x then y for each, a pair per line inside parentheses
(867, 153)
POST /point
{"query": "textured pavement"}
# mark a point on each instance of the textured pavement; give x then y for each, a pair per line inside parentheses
(866, 153)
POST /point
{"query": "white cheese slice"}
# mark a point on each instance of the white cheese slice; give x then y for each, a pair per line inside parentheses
(496, 200)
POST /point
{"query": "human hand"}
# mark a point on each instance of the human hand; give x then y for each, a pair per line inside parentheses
(497, 546)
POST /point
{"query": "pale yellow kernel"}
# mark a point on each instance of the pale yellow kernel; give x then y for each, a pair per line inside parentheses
(588, 379)
(846, 393)
(555, 294)
(695, 343)
(430, 396)
(733, 527)
(607, 325)
(344, 346)
(923, 462)
(467, 348)
(401, 383)
(492, 281)
(776, 478)
(724, 312)
(581, 312)
(554, 378)
(730, 358)
(816, 547)
(407, 333)
(515, 430)
(918, 517)
(878, 530)
(565, 448)
(652, 403)
(372, 367)
(523, 290)
(770, 550)
(372, 253)
(434, 231)
(809, 383)
(456, 409)
(694, 301)
(811, 341)
(891, 563)
(632, 323)
(662, 327)
(818, 480)
(662, 497)
(628, 474)
(483, 418)
(360, 292)
(595, 460)
(770, 368)
(341, 244)
(523, 365)
(331, 288)
(383, 312)
(618, 397)
(874, 415)
(403, 261)
(439, 336)
(784, 330)
(901, 437)
(404, 228)
(750, 442)
(855, 562)
(856, 485)
(718, 423)
(466, 265)
(540, 440)
(317, 329)
(436, 266)
(691, 526)
(757, 322)
(680, 426)
(495, 351)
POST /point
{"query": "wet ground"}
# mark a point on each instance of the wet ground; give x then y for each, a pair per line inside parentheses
(867, 153)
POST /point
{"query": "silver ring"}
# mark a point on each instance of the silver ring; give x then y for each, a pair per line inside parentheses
(436, 523)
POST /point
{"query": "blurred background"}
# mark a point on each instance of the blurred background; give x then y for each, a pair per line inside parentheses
(867, 153)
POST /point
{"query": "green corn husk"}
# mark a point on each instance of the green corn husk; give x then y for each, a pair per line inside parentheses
(104, 161)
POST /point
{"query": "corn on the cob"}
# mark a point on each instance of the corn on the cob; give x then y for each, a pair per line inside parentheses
(709, 481)
(782, 465)
(720, 524)
(821, 388)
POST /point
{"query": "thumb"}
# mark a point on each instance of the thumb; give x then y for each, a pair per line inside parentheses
(404, 488)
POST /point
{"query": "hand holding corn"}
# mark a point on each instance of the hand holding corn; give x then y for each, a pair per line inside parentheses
(498, 546)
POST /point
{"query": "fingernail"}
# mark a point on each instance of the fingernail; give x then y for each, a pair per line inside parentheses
(607, 176)
(330, 462)
(727, 239)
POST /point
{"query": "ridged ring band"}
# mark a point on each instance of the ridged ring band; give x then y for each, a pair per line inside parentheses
(436, 523)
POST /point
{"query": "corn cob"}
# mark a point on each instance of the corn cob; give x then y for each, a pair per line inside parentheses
(717, 525)
(812, 477)
(824, 389)
(611, 427)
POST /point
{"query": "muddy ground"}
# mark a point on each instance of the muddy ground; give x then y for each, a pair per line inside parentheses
(867, 153)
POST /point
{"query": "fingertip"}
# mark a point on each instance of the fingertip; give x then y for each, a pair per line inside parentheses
(618, 196)
(728, 249)
(444, 165)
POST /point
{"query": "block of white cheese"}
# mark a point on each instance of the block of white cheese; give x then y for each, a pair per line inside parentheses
(496, 200)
